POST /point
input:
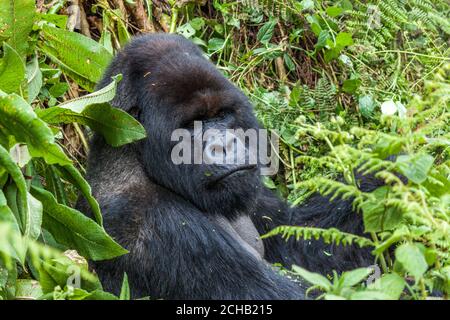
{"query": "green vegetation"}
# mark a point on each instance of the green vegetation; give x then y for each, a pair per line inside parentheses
(346, 84)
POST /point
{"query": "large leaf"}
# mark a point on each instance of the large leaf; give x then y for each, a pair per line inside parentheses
(16, 21)
(351, 278)
(6, 215)
(12, 70)
(73, 229)
(313, 278)
(415, 167)
(18, 119)
(62, 271)
(75, 178)
(34, 79)
(377, 216)
(391, 284)
(22, 199)
(412, 259)
(116, 126)
(81, 58)
(105, 94)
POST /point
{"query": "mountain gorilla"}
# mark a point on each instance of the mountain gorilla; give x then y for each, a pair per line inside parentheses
(193, 230)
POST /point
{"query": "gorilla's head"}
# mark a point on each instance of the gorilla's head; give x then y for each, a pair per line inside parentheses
(172, 86)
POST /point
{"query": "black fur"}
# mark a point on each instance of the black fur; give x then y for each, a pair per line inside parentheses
(171, 217)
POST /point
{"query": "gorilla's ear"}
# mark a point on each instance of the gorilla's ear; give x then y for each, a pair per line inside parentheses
(135, 112)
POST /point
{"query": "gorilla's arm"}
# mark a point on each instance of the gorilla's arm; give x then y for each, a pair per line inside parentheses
(178, 252)
(320, 212)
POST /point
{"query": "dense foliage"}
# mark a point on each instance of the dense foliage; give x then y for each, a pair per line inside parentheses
(348, 85)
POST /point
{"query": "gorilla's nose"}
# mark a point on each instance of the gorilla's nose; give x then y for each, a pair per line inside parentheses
(224, 149)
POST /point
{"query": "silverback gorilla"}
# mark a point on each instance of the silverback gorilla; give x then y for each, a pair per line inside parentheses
(193, 229)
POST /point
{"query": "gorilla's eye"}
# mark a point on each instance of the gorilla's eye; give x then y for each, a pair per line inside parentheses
(202, 117)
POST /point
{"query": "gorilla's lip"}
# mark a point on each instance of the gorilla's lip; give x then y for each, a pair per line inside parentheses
(233, 171)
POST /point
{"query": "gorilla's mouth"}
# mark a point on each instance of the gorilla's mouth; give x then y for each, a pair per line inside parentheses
(232, 172)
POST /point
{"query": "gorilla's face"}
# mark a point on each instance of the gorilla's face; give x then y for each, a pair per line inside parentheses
(197, 144)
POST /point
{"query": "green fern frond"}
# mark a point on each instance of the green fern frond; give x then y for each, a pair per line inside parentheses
(331, 235)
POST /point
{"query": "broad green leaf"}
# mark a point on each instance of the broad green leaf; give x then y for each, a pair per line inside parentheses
(18, 119)
(350, 85)
(73, 229)
(105, 94)
(197, 23)
(34, 79)
(370, 295)
(71, 174)
(215, 44)
(34, 216)
(313, 278)
(16, 21)
(366, 106)
(63, 271)
(415, 167)
(27, 289)
(412, 259)
(377, 216)
(266, 31)
(80, 57)
(344, 39)
(12, 70)
(101, 295)
(289, 62)
(324, 35)
(334, 11)
(125, 290)
(22, 196)
(351, 278)
(391, 284)
(6, 215)
(12, 246)
(116, 126)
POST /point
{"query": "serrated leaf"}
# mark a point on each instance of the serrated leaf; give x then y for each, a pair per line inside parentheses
(18, 119)
(351, 278)
(12, 70)
(73, 229)
(415, 167)
(412, 259)
(16, 22)
(391, 284)
(80, 57)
